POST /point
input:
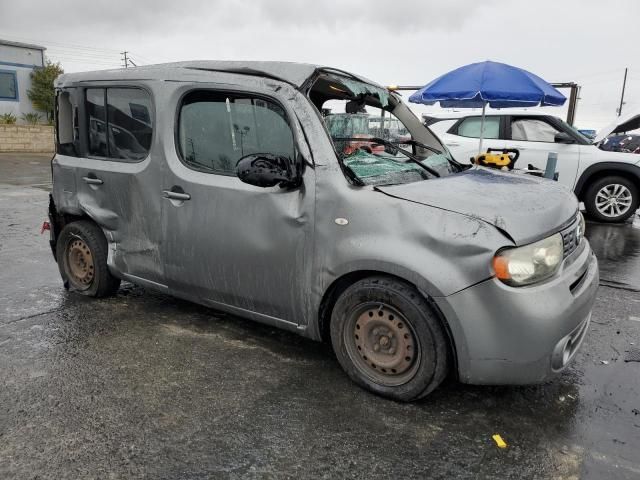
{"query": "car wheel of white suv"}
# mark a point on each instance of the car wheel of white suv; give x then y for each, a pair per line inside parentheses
(611, 199)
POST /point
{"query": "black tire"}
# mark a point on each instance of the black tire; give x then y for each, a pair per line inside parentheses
(81, 251)
(421, 369)
(592, 196)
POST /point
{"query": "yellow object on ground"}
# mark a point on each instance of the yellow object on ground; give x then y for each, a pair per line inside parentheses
(499, 441)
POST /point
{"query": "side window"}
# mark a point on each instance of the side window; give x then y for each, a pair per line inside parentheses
(129, 120)
(532, 130)
(215, 130)
(97, 120)
(470, 127)
(119, 123)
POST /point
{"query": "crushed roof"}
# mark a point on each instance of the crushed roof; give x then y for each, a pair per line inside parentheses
(290, 72)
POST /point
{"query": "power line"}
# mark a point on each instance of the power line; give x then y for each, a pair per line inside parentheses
(126, 60)
(48, 43)
(79, 53)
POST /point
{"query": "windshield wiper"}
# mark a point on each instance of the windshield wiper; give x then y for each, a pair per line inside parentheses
(432, 149)
(381, 141)
(419, 144)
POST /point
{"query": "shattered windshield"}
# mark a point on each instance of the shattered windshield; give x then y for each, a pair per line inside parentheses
(370, 140)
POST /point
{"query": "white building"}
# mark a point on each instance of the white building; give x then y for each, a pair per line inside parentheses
(17, 61)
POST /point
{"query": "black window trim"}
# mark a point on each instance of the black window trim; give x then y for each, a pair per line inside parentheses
(232, 93)
(85, 127)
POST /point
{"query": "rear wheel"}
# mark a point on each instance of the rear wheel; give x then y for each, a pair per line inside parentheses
(611, 199)
(388, 339)
(81, 251)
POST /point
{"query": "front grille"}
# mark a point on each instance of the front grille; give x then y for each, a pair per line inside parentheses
(571, 238)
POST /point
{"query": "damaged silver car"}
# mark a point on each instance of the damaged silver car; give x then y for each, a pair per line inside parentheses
(230, 184)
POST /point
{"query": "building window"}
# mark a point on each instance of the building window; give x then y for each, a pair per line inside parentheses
(8, 85)
(216, 129)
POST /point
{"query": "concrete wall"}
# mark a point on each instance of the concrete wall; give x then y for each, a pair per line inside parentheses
(26, 138)
(21, 61)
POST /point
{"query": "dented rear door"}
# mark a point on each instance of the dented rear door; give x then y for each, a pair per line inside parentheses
(119, 176)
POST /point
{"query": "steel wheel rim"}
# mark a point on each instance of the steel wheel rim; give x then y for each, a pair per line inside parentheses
(80, 266)
(613, 200)
(382, 344)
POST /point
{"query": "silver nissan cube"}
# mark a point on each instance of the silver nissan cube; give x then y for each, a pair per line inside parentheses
(312, 199)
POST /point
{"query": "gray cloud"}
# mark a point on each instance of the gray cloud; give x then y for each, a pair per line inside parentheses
(401, 41)
(116, 16)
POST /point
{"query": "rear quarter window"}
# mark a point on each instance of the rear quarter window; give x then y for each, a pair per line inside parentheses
(470, 127)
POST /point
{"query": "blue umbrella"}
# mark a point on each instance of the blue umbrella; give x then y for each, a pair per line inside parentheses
(488, 83)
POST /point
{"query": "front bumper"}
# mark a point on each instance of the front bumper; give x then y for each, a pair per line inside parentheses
(505, 335)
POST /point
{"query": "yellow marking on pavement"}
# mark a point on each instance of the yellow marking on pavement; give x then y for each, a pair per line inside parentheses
(499, 441)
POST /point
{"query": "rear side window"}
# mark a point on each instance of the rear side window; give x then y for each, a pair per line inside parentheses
(119, 123)
(97, 119)
(470, 127)
(216, 129)
(67, 126)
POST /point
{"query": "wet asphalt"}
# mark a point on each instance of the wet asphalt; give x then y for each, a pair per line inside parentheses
(145, 386)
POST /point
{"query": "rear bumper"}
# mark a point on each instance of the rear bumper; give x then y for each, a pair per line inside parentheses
(506, 335)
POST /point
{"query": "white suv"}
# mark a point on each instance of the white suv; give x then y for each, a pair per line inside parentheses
(607, 182)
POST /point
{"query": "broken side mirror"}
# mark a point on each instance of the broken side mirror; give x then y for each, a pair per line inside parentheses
(563, 137)
(267, 170)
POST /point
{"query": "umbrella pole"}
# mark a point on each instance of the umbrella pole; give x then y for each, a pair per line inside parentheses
(484, 106)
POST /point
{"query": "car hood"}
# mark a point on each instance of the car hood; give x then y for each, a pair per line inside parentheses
(624, 123)
(523, 207)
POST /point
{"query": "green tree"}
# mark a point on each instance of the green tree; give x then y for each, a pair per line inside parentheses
(42, 93)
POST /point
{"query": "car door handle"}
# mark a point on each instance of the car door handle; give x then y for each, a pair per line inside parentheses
(92, 180)
(453, 144)
(175, 195)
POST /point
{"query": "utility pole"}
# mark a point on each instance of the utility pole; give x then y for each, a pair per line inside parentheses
(125, 59)
(624, 84)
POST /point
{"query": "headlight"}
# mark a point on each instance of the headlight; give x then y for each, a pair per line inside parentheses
(530, 263)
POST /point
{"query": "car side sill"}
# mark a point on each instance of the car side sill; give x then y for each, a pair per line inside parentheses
(143, 282)
(258, 317)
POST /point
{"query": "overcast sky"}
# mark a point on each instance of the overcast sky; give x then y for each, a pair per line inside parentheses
(393, 42)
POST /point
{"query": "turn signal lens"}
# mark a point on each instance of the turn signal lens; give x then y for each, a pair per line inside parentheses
(501, 267)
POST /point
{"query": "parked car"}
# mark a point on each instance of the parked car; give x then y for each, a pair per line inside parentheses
(412, 265)
(621, 143)
(608, 183)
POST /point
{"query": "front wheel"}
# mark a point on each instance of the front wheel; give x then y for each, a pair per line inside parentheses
(611, 199)
(388, 339)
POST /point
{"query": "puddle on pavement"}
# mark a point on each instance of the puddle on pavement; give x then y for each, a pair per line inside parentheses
(618, 250)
